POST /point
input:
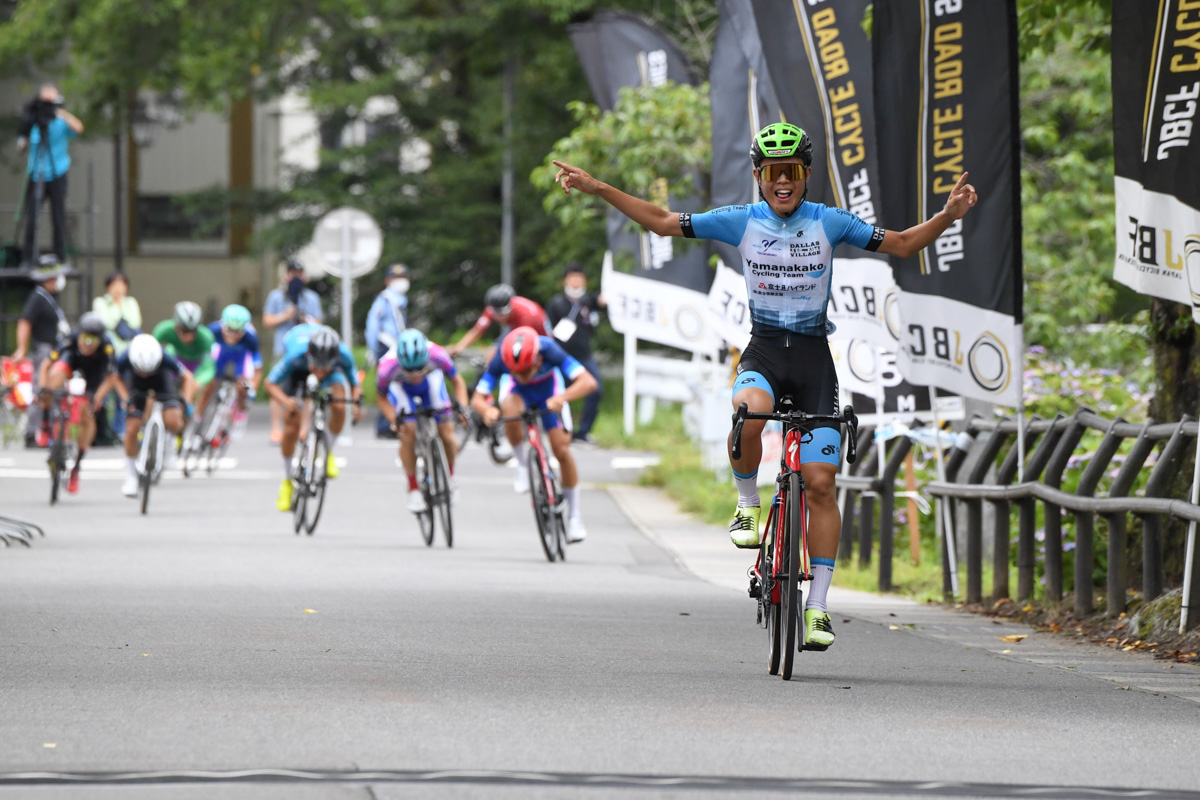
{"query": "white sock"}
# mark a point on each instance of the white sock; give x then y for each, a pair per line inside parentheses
(822, 569)
(287, 466)
(131, 466)
(747, 486)
(572, 497)
(521, 454)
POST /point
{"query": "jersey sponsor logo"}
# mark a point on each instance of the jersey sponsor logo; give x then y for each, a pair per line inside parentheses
(766, 247)
(802, 249)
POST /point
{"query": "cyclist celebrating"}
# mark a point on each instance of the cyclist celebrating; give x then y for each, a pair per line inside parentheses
(316, 350)
(144, 367)
(788, 353)
(529, 371)
(236, 353)
(415, 371)
(88, 351)
(504, 306)
(184, 337)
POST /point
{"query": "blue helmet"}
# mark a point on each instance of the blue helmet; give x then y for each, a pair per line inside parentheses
(412, 349)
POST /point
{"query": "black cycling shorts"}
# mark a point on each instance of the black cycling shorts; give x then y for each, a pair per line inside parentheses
(796, 366)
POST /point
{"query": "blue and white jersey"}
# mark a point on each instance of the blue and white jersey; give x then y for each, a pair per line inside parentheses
(788, 263)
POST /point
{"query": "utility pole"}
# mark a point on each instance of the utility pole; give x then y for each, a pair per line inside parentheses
(507, 244)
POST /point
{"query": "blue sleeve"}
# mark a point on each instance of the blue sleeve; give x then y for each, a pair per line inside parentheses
(280, 372)
(491, 378)
(348, 364)
(274, 302)
(373, 326)
(555, 356)
(842, 226)
(312, 302)
(726, 224)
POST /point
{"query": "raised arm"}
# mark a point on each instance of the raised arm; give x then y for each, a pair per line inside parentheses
(909, 242)
(643, 212)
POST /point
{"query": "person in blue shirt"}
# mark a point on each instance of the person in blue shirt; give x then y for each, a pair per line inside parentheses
(531, 371)
(311, 350)
(387, 317)
(235, 354)
(46, 128)
(787, 246)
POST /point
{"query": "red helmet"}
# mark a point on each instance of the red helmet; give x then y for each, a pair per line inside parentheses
(520, 349)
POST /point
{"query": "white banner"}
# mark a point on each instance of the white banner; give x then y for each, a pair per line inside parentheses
(960, 347)
(727, 300)
(1158, 244)
(654, 311)
(863, 302)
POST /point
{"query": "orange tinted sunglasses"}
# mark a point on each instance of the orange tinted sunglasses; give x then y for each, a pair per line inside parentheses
(773, 172)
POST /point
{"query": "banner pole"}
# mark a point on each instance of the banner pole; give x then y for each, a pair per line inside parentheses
(630, 388)
(944, 519)
(1190, 559)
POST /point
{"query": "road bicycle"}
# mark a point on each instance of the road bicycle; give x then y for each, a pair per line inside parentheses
(308, 470)
(544, 488)
(782, 565)
(152, 452)
(63, 421)
(211, 434)
(433, 476)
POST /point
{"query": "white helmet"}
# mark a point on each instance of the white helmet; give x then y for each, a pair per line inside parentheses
(188, 315)
(145, 353)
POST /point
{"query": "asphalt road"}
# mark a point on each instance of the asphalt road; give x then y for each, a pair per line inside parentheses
(189, 652)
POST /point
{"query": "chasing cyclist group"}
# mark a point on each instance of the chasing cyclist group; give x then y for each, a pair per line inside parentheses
(782, 236)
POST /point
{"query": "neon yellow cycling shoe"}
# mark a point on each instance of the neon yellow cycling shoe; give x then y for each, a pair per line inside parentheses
(331, 469)
(284, 501)
(743, 531)
(818, 632)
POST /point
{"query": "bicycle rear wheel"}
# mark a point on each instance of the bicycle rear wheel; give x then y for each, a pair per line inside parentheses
(768, 594)
(317, 479)
(543, 512)
(789, 597)
(150, 442)
(440, 486)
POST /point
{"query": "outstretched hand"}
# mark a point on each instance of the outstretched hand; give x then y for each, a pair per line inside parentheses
(575, 178)
(962, 198)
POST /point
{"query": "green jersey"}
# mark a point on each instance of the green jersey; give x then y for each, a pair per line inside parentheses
(196, 356)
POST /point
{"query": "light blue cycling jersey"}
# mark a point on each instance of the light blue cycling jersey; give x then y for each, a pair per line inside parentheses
(788, 263)
(295, 358)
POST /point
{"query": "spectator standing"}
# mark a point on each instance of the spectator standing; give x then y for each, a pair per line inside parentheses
(41, 324)
(288, 306)
(46, 128)
(574, 315)
(122, 317)
(387, 317)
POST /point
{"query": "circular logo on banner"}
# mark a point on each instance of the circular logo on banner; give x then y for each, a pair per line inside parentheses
(989, 363)
(690, 323)
(861, 360)
(891, 314)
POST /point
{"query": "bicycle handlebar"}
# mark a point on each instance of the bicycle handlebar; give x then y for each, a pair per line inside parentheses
(529, 415)
(799, 419)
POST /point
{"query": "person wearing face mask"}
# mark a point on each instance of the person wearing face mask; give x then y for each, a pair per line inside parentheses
(288, 306)
(574, 314)
(123, 318)
(41, 324)
(387, 317)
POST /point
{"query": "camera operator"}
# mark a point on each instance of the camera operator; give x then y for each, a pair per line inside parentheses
(45, 129)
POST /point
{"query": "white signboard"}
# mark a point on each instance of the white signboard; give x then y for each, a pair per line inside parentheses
(654, 311)
(348, 234)
(727, 300)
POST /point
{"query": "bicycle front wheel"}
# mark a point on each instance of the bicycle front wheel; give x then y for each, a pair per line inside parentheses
(543, 511)
(769, 593)
(58, 455)
(150, 443)
(317, 479)
(441, 488)
(789, 599)
(425, 484)
(300, 486)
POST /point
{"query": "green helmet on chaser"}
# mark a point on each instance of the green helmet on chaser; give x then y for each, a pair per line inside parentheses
(781, 140)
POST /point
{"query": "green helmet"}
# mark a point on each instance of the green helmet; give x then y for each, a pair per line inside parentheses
(235, 317)
(780, 140)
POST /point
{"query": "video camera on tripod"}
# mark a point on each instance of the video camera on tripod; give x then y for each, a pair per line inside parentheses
(40, 112)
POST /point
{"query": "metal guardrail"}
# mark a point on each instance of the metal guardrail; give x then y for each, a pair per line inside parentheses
(1049, 445)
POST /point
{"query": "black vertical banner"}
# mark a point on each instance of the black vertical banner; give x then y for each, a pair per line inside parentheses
(742, 101)
(946, 102)
(618, 49)
(1156, 94)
